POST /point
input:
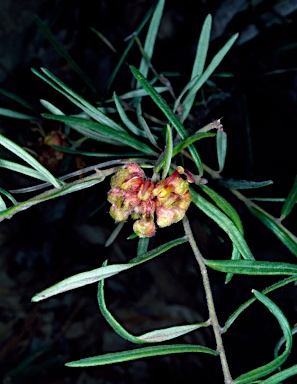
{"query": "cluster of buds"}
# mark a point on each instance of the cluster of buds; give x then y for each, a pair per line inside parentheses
(132, 194)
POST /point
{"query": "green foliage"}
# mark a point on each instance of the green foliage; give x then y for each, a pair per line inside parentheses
(164, 150)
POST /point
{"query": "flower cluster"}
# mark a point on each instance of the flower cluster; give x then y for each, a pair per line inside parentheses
(132, 194)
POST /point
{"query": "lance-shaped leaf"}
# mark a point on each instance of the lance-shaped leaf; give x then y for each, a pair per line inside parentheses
(76, 99)
(151, 37)
(200, 58)
(51, 194)
(20, 152)
(221, 141)
(156, 336)
(189, 99)
(98, 274)
(125, 119)
(280, 376)
(161, 103)
(245, 305)
(168, 152)
(224, 222)
(265, 370)
(252, 267)
(95, 154)
(106, 133)
(15, 115)
(243, 184)
(225, 206)
(22, 169)
(9, 196)
(290, 201)
(276, 227)
(118, 357)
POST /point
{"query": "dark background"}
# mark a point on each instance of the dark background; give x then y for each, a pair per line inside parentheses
(60, 238)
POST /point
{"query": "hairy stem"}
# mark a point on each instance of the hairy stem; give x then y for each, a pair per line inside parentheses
(210, 304)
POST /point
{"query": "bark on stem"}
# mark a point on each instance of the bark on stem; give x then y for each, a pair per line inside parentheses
(210, 304)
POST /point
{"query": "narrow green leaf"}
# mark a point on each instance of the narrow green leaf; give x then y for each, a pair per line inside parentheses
(276, 363)
(76, 99)
(156, 336)
(245, 305)
(50, 107)
(16, 98)
(221, 148)
(139, 93)
(243, 184)
(235, 256)
(93, 154)
(98, 274)
(104, 39)
(142, 246)
(20, 152)
(290, 201)
(9, 196)
(280, 376)
(252, 267)
(114, 234)
(282, 341)
(224, 222)
(168, 152)
(51, 194)
(225, 206)
(62, 51)
(285, 236)
(118, 357)
(15, 115)
(131, 126)
(15, 167)
(151, 37)
(185, 89)
(161, 103)
(2, 204)
(106, 133)
(148, 132)
(189, 99)
(129, 46)
(200, 59)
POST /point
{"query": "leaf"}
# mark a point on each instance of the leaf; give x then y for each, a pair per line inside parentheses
(225, 206)
(9, 196)
(129, 46)
(252, 267)
(224, 222)
(245, 305)
(168, 152)
(142, 246)
(200, 59)
(161, 103)
(93, 154)
(106, 133)
(139, 93)
(139, 353)
(98, 274)
(20, 152)
(243, 184)
(255, 374)
(151, 37)
(2, 204)
(282, 341)
(15, 167)
(15, 115)
(50, 107)
(189, 99)
(280, 376)
(61, 50)
(235, 256)
(221, 148)
(148, 132)
(16, 98)
(128, 123)
(51, 194)
(76, 99)
(150, 337)
(290, 201)
(285, 236)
